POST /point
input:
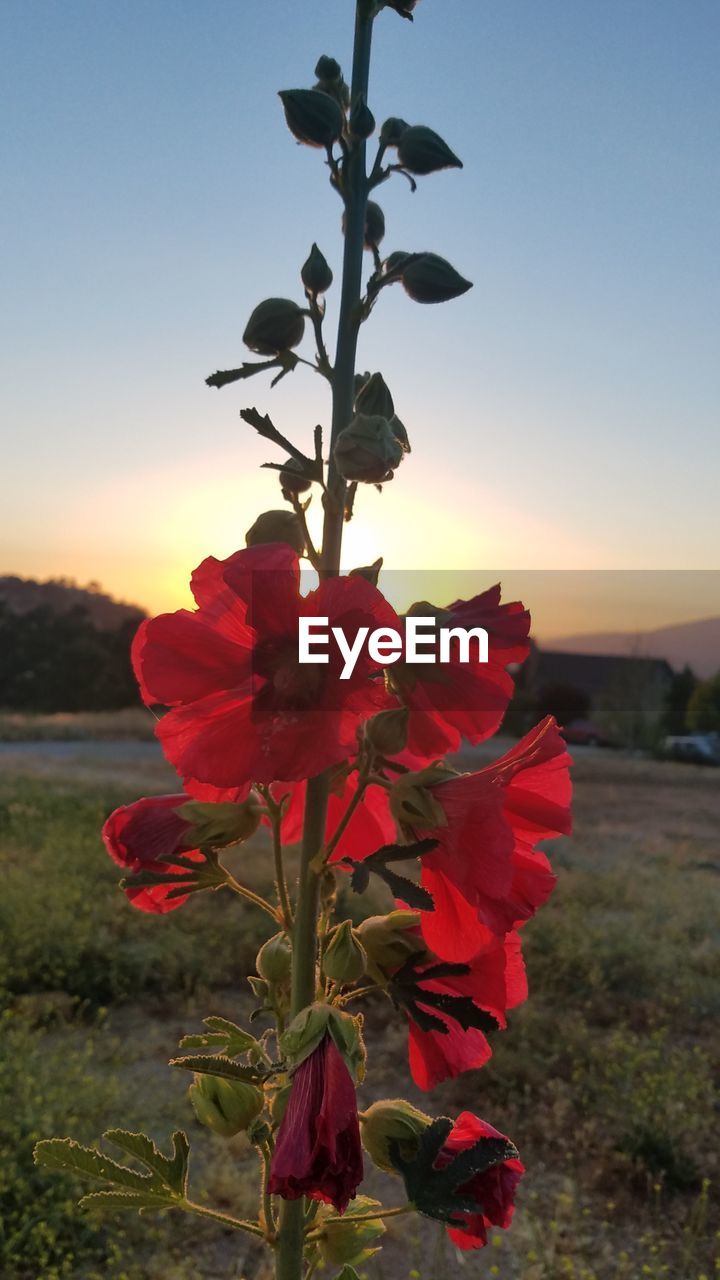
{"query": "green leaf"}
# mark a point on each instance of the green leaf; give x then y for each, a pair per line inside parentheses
(400, 887)
(221, 1034)
(163, 1187)
(220, 1065)
(437, 1193)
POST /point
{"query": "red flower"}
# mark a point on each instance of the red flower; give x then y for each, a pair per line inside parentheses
(243, 707)
(495, 983)
(318, 1152)
(137, 836)
(486, 874)
(370, 826)
(453, 700)
(493, 1190)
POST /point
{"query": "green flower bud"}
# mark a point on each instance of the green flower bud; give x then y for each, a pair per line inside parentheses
(422, 151)
(403, 7)
(370, 572)
(277, 526)
(274, 959)
(227, 1106)
(392, 131)
(374, 397)
(387, 732)
(362, 120)
(412, 801)
(307, 1030)
(328, 69)
(218, 825)
(315, 273)
(391, 940)
(394, 264)
(342, 1242)
(392, 1120)
(344, 960)
(278, 324)
(374, 225)
(367, 450)
(293, 479)
(429, 278)
(398, 429)
(313, 117)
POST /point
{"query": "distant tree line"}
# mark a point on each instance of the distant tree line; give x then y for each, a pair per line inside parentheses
(60, 661)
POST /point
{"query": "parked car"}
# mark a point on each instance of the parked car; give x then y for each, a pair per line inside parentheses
(585, 733)
(695, 748)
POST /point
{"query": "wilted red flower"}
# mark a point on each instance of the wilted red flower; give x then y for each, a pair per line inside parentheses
(495, 981)
(493, 1190)
(139, 836)
(485, 873)
(243, 706)
(453, 700)
(318, 1152)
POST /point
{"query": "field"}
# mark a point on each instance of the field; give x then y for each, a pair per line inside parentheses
(604, 1079)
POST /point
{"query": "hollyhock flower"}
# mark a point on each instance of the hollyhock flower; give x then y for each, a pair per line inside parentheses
(494, 1190)
(317, 1151)
(453, 700)
(141, 836)
(485, 873)
(370, 826)
(494, 982)
(243, 707)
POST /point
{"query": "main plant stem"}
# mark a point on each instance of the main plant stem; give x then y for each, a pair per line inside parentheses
(289, 1258)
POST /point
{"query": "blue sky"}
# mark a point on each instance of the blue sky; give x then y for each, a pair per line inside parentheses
(563, 413)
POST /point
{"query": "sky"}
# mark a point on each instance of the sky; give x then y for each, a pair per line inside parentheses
(563, 413)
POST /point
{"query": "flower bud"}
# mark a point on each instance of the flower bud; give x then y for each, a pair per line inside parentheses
(274, 959)
(370, 572)
(412, 802)
(344, 960)
(277, 526)
(392, 1121)
(227, 1106)
(315, 273)
(374, 225)
(395, 262)
(392, 131)
(391, 940)
(398, 429)
(422, 151)
(367, 450)
(374, 397)
(430, 278)
(313, 117)
(259, 988)
(218, 825)
(387, 732)
(344, 1243)
(403, 7)
(293, 479)
(277, 324)
(328, 69)
(362, 120)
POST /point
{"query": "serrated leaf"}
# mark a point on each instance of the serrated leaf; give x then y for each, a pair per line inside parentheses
(401, 887)
(221, 1034)
(171, 1171)
(141, 1201)
(66, 1156)
(437, 1192)
(163, 1187)
(220, 1065)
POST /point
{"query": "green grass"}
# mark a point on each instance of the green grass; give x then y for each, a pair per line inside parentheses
(604, 1079)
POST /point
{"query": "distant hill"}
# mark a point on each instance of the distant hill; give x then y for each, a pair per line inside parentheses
(60, 595)
(696, 644)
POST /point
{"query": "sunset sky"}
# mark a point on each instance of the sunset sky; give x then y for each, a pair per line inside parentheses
(563, 414)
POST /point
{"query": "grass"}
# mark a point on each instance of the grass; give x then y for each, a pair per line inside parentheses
(604, 1079)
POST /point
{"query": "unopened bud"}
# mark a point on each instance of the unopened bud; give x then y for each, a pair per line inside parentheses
(344, 1243)
(274, 959)
(389, 1122)
(393, 265)
(374, 397)
(277, 324)
(391, 940)
(387, 732)
(218, 825)
(370, 572)
(392, 131)
(227, 1106)
(313, 117)
(293, 479)
(362, 120)
(315, 273)
(344, 960)
(277, 526)
(422, 151)
(328, 69)
(367, 450)
(374, 225)
(430, 278)
(398, 429)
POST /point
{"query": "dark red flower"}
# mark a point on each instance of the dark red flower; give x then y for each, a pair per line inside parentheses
(318, 1152)
(493, 983)
(139, 836)
(493, 1191)
(453, 700)
(486, 876)
(243, 707)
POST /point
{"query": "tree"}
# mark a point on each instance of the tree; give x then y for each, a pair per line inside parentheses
(703, 713)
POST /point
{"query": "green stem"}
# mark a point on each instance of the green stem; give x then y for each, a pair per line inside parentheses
(352, 1218)
(289, 1260)
(190, 1207)
(255, 898)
